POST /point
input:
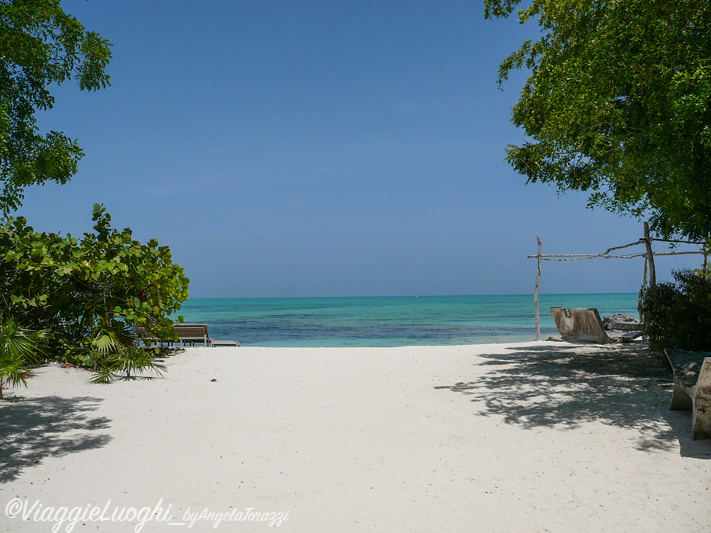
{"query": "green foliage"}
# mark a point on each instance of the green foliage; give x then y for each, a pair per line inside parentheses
(89, 293)
(40, 45)
(704, 271)
(20, 349)
(85, 295)
(678, 314)
(126, 363)
(113, 356)
(618, 103)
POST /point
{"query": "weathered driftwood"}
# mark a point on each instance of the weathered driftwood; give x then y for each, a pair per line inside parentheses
(648, 254)
(692, 388)
(579, 324)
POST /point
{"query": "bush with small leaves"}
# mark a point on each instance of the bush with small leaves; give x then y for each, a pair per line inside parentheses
(678, 314)
(91, 291)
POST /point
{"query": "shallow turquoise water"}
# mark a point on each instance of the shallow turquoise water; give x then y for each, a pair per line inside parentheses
(389, 321)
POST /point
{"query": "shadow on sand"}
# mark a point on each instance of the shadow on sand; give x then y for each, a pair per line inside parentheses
(568, 386)
(32, 429)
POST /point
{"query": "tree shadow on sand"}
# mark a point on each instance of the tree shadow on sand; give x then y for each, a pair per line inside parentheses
(567, 386)
(32, 429)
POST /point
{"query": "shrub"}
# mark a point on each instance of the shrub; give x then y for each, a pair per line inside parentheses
(83, 291)
(678, 314)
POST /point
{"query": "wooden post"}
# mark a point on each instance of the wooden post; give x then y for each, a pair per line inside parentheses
(535, 295)
(641, 291)
(650, 256)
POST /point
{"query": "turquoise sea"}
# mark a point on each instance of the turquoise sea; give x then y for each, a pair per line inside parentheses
(389, 321)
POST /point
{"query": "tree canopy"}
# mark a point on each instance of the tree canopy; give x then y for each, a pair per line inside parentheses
(40, 45)
(618, 103)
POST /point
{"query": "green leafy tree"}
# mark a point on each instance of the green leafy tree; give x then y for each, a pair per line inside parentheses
(40, 45)
(618, 103)
(89, 293)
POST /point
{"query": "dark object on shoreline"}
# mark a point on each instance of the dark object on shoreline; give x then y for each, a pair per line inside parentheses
(584, 325)
(692, 388)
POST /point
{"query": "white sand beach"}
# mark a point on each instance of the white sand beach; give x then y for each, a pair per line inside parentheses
(508, 438)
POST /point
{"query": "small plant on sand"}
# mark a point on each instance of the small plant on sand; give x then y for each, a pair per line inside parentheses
(112, 358)
(20, 349)
(126, 364)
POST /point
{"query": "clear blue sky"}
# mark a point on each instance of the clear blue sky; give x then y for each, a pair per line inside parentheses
(330, 148)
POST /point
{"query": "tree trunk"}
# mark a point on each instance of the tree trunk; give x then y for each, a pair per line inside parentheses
(650, 256)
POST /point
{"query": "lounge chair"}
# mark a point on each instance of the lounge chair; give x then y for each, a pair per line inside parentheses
(145, 335)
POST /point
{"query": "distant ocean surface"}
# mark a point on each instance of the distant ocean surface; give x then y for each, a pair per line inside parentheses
(389, 321)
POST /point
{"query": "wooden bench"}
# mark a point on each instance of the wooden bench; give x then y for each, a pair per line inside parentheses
(188, 335)
(692, 388)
